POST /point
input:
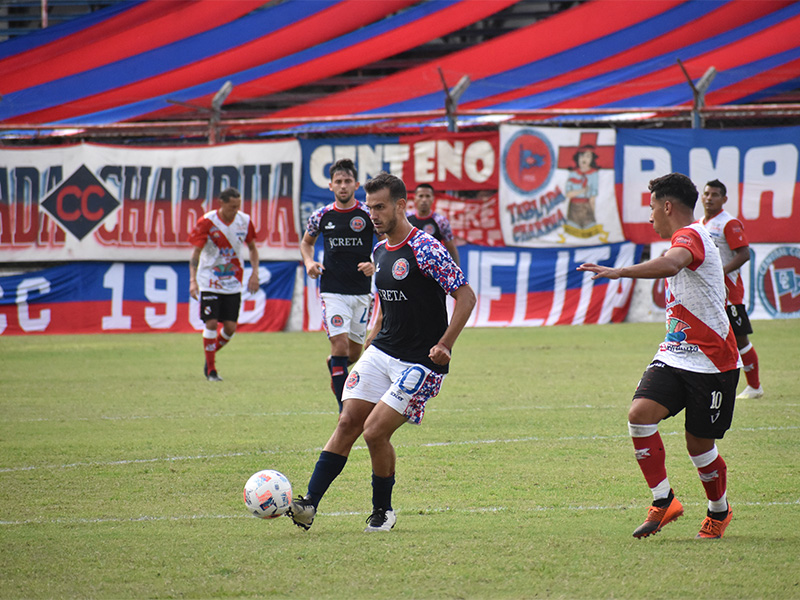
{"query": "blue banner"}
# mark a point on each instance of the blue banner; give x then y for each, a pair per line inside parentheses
(98, 297)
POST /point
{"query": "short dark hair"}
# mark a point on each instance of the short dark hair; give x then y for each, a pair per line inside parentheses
(384, 180)
(716, 183)
(228, 194)
(427, 186)
(346, 165)
(587, 148)
(674, 185)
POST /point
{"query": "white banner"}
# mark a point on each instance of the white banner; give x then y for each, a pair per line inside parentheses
(93, 202)
(557, 187)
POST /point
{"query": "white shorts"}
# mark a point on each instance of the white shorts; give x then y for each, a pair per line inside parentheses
(342, 313)
(404, 386)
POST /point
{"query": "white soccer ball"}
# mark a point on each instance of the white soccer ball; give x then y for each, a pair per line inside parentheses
(268, 494)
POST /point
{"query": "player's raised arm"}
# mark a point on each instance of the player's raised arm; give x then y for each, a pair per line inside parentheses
(667, 265)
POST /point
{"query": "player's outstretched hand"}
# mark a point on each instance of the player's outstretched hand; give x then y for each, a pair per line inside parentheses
(439, 354)
(600, 271)
(367, 268)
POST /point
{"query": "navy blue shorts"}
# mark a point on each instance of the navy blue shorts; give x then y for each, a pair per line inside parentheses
(707, 397)
(222, 307)
(740, 322)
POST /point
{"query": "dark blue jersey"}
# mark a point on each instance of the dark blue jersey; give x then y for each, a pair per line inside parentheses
(348, 239)
(434, 224)
(413, 279)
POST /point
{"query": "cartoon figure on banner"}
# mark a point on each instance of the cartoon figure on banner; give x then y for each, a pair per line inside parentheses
(581, 191)
(584, 163)
(581, 188)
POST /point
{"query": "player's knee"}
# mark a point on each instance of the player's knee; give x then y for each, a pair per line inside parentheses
(644, 411)
(373, 437)
(339, 345)
(639, 415)
(349, 427)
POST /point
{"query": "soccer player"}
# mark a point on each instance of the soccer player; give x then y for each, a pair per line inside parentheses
(345, 273)
(407, 354)
(728, 234)
(697, 365)
(216, 269)
(431, 222)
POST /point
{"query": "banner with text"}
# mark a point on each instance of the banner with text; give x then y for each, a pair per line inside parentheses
(557, 187)
(759, 167)
(473, 220)
(447, 161)
(533, 287)
(106, 297)
(93, 202)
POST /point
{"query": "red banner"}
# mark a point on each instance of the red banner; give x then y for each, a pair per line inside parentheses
(452, 161)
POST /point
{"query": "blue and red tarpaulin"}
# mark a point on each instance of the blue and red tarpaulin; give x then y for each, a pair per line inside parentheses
(135, 60)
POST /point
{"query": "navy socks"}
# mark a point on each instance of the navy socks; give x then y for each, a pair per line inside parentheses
(328, 467)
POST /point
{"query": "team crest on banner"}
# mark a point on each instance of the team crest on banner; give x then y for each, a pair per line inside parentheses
(527, 161)
(778, 282)
(557, 187)
(80, 203)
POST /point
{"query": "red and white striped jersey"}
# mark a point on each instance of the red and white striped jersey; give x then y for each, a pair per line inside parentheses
(222, 260)
(699, 335)
(728, 234)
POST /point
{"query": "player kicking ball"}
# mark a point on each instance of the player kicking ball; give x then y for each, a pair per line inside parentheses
(407, 354)
(696, 368)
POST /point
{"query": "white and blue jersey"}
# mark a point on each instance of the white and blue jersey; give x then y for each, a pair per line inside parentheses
(413, 279)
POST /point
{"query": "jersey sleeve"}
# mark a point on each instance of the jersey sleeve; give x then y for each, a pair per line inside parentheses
(199, 235)
(444, 227)
(312, 225)
(734, 234)
(251, 233)
(435, 261)
(691, 240)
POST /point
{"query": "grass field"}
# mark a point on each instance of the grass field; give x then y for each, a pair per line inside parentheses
(121, 471)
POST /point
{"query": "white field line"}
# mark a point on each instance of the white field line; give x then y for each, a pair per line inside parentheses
(306, 413)
(411, 512)
(296, 414)
(357, 448)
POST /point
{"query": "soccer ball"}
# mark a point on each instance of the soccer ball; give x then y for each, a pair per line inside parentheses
(268, 494)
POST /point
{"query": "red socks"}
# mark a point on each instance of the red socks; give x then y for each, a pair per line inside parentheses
(713, 474)
(750, 360)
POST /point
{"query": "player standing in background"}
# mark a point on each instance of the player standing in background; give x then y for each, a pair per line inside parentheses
(430, 222)
(346, 271)
(728, 234)
(216, 269)
(407, 355)
(697, 365)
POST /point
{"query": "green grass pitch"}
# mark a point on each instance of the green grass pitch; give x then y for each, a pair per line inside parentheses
(121, 472)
